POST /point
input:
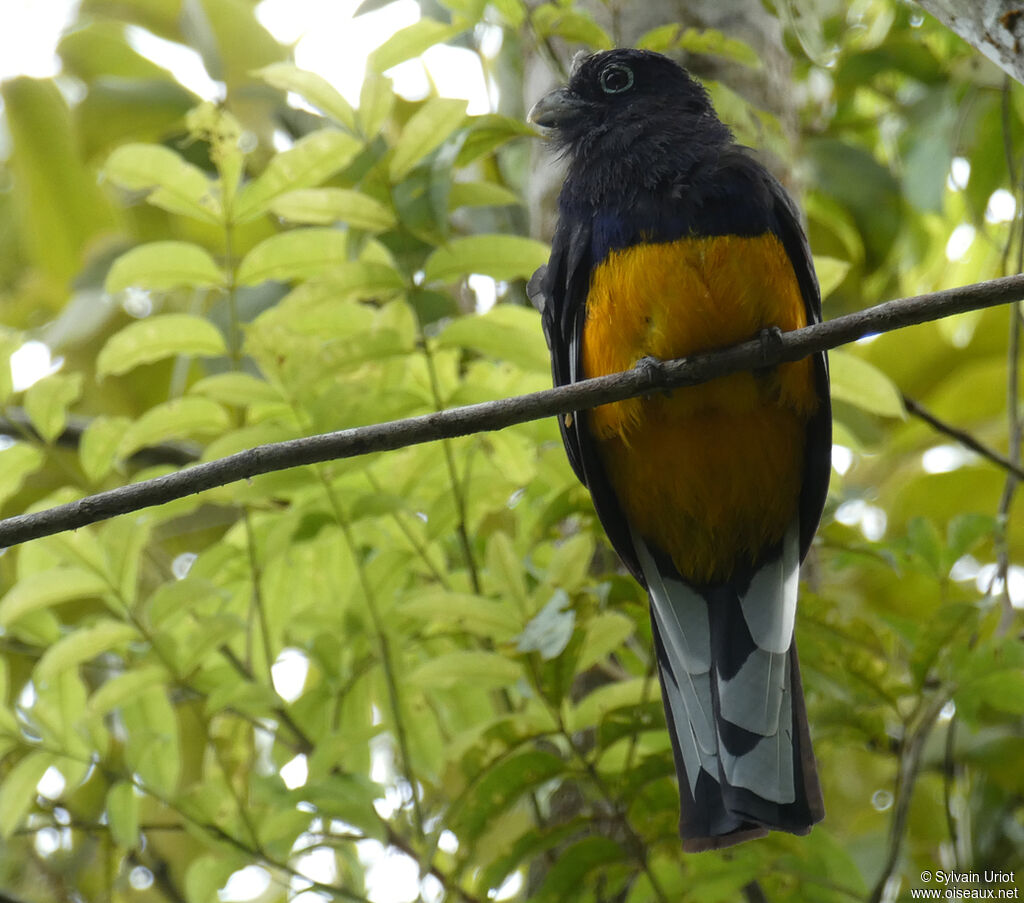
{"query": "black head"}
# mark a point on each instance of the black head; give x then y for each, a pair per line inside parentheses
(617, 97)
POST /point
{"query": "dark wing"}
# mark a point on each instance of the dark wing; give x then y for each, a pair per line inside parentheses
(559, 291)
(760, 201)
(818, 450)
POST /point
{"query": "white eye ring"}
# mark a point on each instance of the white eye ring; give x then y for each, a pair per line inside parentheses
(612, 79)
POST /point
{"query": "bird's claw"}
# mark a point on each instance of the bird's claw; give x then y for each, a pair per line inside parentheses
(651, 368)
(770, 340)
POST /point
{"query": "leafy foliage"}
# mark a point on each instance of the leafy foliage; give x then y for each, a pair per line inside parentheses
(438, 641)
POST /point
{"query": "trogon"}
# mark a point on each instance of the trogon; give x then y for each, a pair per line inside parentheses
(672, 239)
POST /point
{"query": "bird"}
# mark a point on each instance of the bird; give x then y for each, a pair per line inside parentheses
(673, 239)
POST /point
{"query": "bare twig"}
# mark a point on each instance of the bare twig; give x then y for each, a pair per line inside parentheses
(495, 415)
(964, 438)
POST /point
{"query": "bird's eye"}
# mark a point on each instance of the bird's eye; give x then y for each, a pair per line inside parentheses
(615, 79)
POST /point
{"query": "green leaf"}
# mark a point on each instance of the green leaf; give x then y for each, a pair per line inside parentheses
(571, 25)
(486, 133)
(17, 463)
(480, 669)
(312, 88)
(51, 587)
(124, 687)
(605, 633)
(82, 646)
(594, 706)
(481, 194)
(156, 338)
(177, 419)
(574, 864)
(506, 332)
(47, 402)
(497, 256)
(427, 129)
(707, 41)
(18, 791)
(376, 100)
(313, 158)
(965, 530)
(363, 280)
(97, 451)
(163, 265)
(1003, 691)
(123, 815)
(205, 876)
(238, 389)
(299, 254)
(59, 205)
(862, 384)
(410, 42)
(173, 184)
(500, 787)
(152, 747)
(505, 569)
(831, 273)
(550, 630)
(473, 614)
(324, 206)
(923, 539)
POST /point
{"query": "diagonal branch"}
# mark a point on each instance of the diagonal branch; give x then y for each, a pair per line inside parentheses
(963, 437)
(494, 415)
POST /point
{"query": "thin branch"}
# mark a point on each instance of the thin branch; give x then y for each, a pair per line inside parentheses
(493, 415)
(964, 438)
(906, 779)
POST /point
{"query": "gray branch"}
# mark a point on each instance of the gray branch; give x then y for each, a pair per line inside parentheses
(495, 415)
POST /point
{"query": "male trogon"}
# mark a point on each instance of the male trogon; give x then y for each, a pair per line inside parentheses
(673, 239)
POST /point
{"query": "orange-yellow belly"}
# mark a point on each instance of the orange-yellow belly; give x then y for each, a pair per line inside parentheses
(711, 474)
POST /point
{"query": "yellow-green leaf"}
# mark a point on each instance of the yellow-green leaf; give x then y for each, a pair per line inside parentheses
(481, 194)
(177, 419)
(410, 42)
(323, 206)
(46, 588)
(860, 383)
(313, 88)
(123, 814)
(19, 790)
(163, 265)
(172, 183)
(570, 24)
(831, 273)
(156, 338)
(97, 451)
(82, 646)
(376, 100)
(363, 279)
(16, 463)
(498, 256)
(47, 401)
(313, 158)
(299, 254)
(123, 687)
(238, 389)
(427, 129)
(605, 633)
(481, 669)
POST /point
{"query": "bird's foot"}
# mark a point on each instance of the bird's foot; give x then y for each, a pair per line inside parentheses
(651, 368)
(770, 340)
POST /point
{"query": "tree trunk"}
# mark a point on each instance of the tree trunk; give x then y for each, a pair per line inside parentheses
(994, 27)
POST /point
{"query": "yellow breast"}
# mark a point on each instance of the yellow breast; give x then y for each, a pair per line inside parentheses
(711, 474)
